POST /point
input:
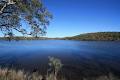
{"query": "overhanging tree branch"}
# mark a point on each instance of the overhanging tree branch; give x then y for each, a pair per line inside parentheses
(9, 2)
(31, 11)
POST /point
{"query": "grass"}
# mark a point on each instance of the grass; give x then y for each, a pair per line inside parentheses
(52, 73)
(11, 74)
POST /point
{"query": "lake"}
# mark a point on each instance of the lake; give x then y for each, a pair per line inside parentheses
(85, 58)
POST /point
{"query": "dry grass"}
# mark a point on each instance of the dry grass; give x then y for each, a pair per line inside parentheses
(52, 73)
(10, 74)
(6, 74)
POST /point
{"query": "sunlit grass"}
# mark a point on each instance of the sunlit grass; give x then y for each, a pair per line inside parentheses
(10, 74)
(52, 73)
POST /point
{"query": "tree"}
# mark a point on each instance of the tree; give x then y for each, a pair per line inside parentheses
(12, 12)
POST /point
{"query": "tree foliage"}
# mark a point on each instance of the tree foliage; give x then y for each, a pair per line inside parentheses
(12, 12)
(99, 36)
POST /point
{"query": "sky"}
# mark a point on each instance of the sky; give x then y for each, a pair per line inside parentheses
(73, 17)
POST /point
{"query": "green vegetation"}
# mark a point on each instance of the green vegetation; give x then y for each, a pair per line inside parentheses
(99, 36)
(32, 12)
(23, 38)
(17, 38)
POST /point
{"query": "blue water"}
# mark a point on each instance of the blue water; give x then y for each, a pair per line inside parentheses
(94, 57)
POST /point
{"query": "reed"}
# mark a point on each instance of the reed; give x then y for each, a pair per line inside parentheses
(52, 73)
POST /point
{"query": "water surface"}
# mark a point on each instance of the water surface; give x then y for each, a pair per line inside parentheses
(79, 57)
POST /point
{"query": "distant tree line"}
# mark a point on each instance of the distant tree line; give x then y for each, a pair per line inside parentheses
(104, 36)
(17, 38)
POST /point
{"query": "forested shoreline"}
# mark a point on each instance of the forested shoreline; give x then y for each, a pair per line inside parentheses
(98, 36)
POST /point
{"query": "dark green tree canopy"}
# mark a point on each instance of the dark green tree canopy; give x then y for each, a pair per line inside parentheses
(12, 12)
